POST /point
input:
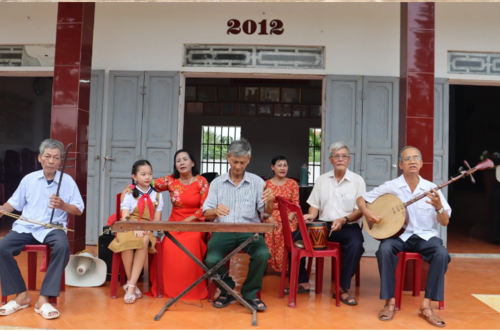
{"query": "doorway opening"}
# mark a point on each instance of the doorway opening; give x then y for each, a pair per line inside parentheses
(474, 128)
(25, 113)
(277, 117)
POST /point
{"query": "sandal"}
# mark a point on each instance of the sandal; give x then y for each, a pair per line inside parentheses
(138, 293)
(45, 311)
(432, 319)
(255, 304)
(223, 300)
(387, 312)
(346, 301)
(11, 308)
(301, 289)
(129, 298)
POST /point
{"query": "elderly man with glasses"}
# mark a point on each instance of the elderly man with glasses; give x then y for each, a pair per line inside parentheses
(333, 199)
(420, 235)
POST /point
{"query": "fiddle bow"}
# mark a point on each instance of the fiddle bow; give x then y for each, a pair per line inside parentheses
(60, 182)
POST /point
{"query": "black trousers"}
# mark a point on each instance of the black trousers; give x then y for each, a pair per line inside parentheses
(432, 251)
(12, 245)
(350, 239)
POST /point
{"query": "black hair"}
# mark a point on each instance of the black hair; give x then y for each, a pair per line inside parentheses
(278, 158)
(135, 169)
(194, 170)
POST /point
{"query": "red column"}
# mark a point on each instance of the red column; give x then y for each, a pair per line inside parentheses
(71, 98)
(416, 92)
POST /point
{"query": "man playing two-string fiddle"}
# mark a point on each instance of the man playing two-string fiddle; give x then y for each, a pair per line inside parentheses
(419, 236)
(36, 197)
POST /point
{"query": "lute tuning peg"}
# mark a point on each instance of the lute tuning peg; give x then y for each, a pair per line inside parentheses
(471, 177)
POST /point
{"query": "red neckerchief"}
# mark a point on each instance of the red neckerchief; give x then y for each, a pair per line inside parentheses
(141, 206)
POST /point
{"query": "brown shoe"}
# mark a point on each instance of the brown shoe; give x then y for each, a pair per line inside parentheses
(432, 319)
(387, 314)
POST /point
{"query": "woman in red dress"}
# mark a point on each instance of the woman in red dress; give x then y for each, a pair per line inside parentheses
(188, 191)
(288, 189)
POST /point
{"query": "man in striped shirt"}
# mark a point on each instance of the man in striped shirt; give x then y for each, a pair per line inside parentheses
(237, 197)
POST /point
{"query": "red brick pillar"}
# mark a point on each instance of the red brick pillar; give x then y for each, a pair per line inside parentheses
(71, 98)
(416, 92)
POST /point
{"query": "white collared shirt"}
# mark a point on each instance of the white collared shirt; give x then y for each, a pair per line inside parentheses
(423, 216)
(243, 200)
(336, 199)
(129, 202)
(32, 197)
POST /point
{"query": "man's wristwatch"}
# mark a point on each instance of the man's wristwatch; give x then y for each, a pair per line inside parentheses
(440, 211)
(346, 219)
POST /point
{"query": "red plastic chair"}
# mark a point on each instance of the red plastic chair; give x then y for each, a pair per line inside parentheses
(32, 250)
(358, 274)
(117, 268)
(404, 257)
(297, 253)
(337, 245)
(212, 287)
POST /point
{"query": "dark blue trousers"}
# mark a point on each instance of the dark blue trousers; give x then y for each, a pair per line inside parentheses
(12, 245)
(432, 251)
(351, 240)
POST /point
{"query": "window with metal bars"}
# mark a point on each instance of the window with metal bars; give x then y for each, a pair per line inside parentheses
(314, 164)
(215, 141)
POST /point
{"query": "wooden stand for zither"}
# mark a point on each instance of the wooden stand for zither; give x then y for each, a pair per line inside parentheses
(256, 228)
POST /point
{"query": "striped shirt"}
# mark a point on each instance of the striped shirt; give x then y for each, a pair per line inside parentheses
(243, 200)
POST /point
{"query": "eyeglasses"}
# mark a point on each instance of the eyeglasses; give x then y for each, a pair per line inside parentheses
(415, 158)
(337, 156)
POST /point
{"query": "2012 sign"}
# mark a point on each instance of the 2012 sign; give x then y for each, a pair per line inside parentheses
(250, 27)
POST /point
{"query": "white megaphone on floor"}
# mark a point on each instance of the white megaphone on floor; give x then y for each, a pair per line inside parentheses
(85, 270)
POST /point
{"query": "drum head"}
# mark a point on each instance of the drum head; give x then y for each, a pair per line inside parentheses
(316, 224)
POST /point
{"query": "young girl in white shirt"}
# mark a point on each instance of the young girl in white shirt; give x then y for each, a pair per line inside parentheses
(143, 204)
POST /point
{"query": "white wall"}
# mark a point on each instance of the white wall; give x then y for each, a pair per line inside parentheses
(27, 23)
(360, 38)
(471, 27)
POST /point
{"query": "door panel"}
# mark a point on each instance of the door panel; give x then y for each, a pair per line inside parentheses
(94, 157)
(363, 112)
(124, 121)
(160, 122)
(379, 137)
(441, 140)
(380, 129)
(142, 123)
(343, 117)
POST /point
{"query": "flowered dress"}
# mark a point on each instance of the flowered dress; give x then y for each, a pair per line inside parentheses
(275, 241)
(179, 271)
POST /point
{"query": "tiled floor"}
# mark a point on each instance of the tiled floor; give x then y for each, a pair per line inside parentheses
(460, 241)
(91, 308)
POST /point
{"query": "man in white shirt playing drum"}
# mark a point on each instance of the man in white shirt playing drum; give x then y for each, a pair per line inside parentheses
(420, 235)
(333, 200)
